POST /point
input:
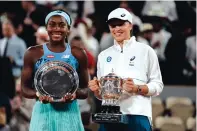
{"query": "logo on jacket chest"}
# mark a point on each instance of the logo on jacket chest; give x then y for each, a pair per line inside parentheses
(109, 58)
(131, 61)
(50, 56)
(65, 56)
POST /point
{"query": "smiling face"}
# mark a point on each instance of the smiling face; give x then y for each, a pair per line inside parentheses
(120, 29)
(57, 29)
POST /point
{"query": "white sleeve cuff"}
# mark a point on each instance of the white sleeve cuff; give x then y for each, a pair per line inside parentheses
(152, 89)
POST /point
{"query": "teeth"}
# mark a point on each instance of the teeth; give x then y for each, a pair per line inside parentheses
(56, 33)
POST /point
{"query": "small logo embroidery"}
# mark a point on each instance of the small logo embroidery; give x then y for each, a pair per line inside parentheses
(132, 58)
(131, 62)
(109, 58)
(50, 56)
(123, 15)
(65, 56)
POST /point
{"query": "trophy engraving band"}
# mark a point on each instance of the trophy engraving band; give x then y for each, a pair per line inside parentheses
(109, 118)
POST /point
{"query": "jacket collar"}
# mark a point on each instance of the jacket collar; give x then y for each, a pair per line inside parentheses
(126, 44)
(12, 37)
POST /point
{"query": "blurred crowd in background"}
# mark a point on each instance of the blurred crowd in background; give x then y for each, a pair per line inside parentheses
(169, 27)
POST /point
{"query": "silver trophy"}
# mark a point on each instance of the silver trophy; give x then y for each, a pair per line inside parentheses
(111, 91)
(56, 79)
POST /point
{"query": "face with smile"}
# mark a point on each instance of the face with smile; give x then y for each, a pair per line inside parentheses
(120, 29)
(57, 29)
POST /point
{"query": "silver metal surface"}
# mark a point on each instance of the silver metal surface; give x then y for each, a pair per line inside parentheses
(56, 79)
(111, 89)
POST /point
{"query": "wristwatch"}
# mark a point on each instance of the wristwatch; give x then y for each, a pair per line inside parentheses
(139, 89)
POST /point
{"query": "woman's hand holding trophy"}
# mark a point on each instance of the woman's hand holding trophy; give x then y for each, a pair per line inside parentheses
(95, 87)
(48, 99)
(127, 85)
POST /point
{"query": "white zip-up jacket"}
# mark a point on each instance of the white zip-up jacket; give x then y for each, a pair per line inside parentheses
(139, 62)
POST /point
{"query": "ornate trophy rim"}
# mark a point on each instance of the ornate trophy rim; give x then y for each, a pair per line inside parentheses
(110, 76)
(54, 65)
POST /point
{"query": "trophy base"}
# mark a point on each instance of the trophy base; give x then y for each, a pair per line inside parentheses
(109, 118)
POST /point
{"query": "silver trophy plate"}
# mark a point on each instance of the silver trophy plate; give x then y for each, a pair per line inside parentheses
(56, 79)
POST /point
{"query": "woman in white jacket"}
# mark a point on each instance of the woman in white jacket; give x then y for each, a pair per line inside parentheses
(137, 64)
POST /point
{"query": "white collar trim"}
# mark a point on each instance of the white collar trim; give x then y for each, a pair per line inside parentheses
(126, 43)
